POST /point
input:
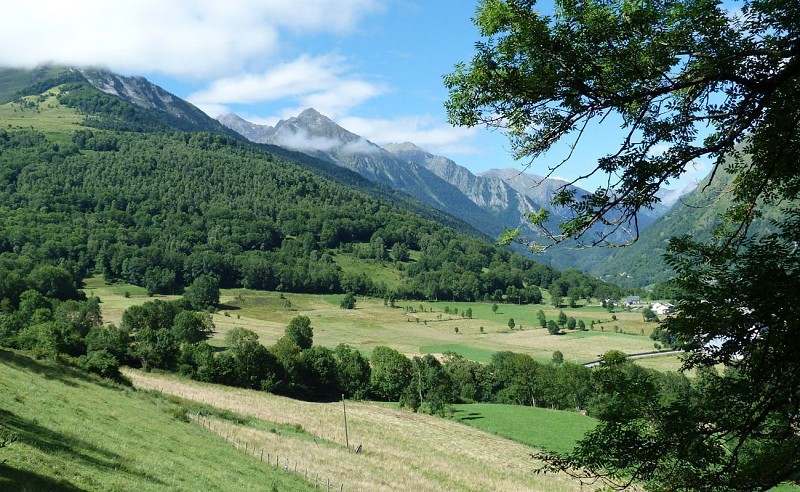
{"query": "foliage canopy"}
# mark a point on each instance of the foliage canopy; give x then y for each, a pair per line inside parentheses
(686, 79)
(669, 71)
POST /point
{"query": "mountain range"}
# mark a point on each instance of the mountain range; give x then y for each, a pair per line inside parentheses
(487, 202)
(490, 201)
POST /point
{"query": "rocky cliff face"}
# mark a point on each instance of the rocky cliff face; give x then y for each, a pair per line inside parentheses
(144, 94)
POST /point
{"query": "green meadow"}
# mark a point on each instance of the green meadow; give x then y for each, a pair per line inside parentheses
(43, 113)
(77, 432)
(412, 327)
(541, 428)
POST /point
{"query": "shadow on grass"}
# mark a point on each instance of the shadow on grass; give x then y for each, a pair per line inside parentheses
(54, 371)
(48, 371)
(227, 307)
(469, 416)
(22, 480)
(50, 442)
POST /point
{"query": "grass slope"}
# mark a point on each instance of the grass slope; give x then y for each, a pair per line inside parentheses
(400, 450)
(542, 428)
(43, 113)
(77, 432)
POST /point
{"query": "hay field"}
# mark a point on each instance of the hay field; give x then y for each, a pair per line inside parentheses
(372, 324)
(401, 450)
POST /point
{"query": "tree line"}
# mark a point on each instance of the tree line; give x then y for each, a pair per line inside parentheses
(44, 312)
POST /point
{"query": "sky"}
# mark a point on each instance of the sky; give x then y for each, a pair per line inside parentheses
(375, 67)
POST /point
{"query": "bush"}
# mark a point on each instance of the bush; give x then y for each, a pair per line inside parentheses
(100, 362)
(348, 302)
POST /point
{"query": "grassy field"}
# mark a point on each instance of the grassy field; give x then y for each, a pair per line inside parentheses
(77, 432)
(376, 270)
(400, 450)
(44, 114)
(471, 353)
(542, 428)
(426, 329)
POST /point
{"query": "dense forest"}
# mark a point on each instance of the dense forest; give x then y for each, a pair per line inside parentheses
(134, 202)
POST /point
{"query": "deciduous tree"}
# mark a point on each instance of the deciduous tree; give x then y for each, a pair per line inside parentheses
(685, 79)
(301, 332)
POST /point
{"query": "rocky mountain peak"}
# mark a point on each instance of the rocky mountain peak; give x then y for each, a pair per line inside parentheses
(311, 115)
(402, 147)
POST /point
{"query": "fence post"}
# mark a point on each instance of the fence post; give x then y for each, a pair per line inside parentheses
(262, 455)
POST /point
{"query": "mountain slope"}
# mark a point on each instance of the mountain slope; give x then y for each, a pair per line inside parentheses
(696, 214)
(125, 198)
(148, 103)
(140, 92)
(490, 201)
(316, 135)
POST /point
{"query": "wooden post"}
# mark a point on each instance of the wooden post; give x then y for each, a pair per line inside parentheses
(262, 455)
(346, 437)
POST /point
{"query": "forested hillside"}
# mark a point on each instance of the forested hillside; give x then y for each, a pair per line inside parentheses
(126, 196)
(697, 214)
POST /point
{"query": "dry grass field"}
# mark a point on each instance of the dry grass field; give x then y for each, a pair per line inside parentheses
(372, 324)
(401, 450)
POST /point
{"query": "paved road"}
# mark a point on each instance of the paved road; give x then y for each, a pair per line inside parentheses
(643, 355)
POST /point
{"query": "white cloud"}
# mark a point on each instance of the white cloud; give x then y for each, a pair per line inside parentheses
(693, 174)
(196, 38)
(426, 132)
(309, 82)
(360, 146)
(301, 140)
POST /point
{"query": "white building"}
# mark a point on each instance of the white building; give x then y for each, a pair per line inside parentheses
(662, 308)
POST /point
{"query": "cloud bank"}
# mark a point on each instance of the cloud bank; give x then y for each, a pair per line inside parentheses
(194, 38)
(308, 82)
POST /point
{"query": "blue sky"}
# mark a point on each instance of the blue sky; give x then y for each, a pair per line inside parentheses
(373, 66)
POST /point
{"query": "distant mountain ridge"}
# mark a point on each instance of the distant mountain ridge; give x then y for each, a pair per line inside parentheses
(318, 136)
(489, 201)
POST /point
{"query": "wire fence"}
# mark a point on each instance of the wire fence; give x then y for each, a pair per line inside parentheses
(273, 459)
